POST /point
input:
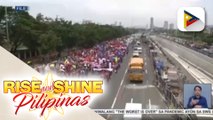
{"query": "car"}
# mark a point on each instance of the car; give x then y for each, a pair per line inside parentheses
(135, 54)
(135, 48)
(139, 49)
(138, 43)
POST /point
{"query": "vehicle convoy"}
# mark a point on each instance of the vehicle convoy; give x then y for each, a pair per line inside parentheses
(138, 49)
(135, 71)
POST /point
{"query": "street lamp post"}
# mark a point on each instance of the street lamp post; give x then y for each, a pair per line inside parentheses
(7, 30)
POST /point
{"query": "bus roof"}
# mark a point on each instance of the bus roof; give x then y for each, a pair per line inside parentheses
(136, 60)
(136, 67)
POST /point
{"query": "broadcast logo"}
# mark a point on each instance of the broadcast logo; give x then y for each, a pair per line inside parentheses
(191, 19)
(51, 95)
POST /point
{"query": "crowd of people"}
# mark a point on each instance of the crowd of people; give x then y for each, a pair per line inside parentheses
(102, 59)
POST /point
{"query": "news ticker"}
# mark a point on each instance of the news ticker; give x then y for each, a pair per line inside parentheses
(155, 111)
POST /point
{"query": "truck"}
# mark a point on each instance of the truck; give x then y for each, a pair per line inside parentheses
(135, 70)
(132, 107)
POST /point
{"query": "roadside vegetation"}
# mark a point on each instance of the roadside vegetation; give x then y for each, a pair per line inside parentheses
(46, 35)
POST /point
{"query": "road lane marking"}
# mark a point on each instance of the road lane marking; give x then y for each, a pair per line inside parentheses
(150, 104)
(195, 72)
(190, 50)
(115, 99)
(131, 100)
(145, 63)
(197, 67)
(146, 71)
(139, 86)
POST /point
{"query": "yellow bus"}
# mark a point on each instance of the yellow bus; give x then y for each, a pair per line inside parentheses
(135, 72)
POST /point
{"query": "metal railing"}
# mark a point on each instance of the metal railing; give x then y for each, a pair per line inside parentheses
(170, 100)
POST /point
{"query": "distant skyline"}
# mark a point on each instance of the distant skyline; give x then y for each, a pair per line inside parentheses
(128, 12)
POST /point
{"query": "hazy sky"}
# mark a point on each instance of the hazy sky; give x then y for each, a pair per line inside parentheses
(129, 12)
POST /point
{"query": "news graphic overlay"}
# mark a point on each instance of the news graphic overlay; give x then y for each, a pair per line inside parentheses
(197, 96)
(49, 94)
(136, 113)
(191, 19)
(22, 8)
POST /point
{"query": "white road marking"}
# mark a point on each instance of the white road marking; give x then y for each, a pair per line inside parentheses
(146, 71)
(150, 104)
(196, 73)
(131, 100)
(145, 63)
(131, 86)
(115, 99)
(197, 67)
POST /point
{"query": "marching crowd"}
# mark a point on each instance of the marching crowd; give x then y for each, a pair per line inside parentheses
(101, 59)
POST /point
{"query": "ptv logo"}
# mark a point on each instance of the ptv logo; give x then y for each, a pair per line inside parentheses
(191, 19)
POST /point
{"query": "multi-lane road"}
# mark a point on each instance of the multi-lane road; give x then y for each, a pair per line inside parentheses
(119, 90)
(199, 59)
(198, 65)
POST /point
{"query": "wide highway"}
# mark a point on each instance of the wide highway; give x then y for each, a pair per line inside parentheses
(204, 62)
(119, 90)
(198, 65)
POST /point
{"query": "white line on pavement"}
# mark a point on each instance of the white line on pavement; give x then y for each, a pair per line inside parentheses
(115, 99)
(196, 73)
(131, 100)
(150, 104)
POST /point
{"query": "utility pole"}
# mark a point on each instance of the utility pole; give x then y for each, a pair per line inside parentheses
(7, 30)
(193, 37)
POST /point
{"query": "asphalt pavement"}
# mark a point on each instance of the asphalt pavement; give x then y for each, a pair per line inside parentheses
(119, 90)
(202, 61)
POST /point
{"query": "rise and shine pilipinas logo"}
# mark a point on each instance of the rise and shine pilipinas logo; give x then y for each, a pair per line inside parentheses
(49, 94)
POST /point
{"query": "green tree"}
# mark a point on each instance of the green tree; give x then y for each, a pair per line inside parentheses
(48, 35)
(209, 40)
(49, 42)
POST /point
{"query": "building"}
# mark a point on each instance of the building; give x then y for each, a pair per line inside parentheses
(209, 29)
(86, 22)
(152, 23)
(171, 26)
(115, 23)
(120, 24)
(24, 52)
(166, 25)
